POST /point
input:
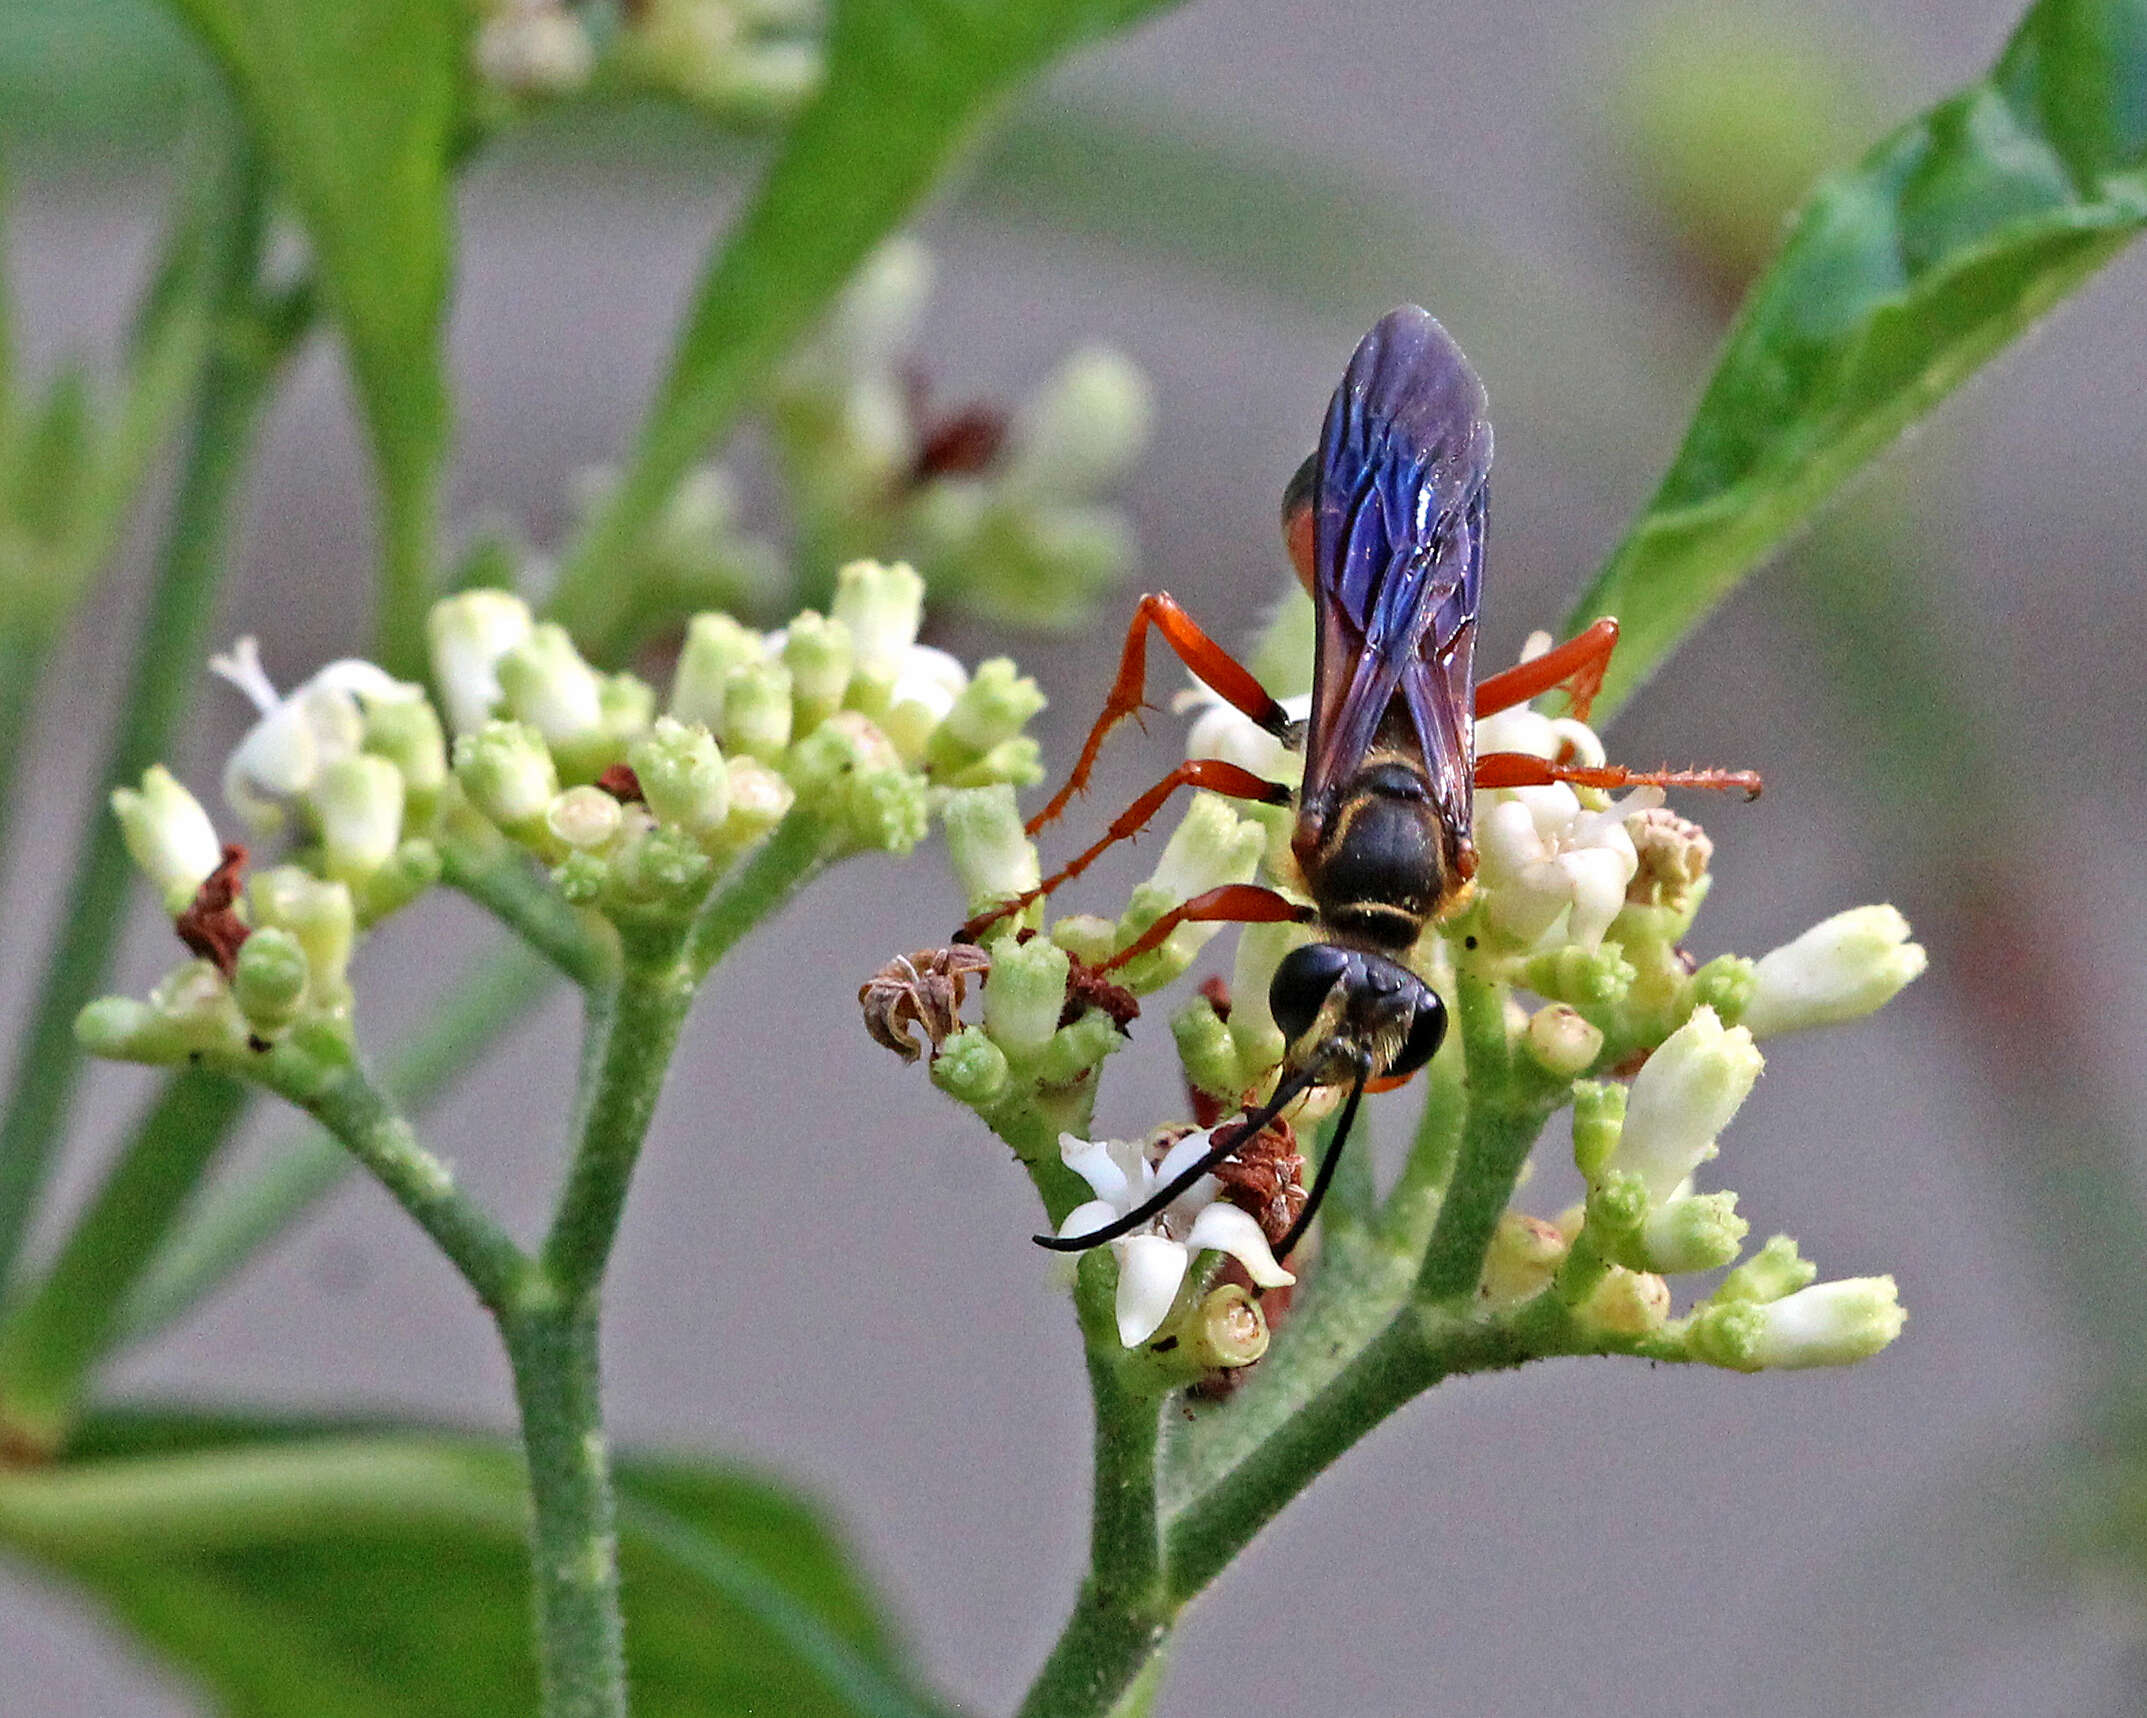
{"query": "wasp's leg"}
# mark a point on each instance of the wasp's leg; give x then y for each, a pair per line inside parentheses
(1210, 663)
(1210, 773)
(1578, 665)
(1232, 904)
(1520, 769)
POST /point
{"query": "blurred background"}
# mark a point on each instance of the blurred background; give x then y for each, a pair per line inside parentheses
(825, 1268)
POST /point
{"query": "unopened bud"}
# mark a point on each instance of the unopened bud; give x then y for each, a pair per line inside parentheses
(469, 634)
(406, 731)
(1524, 1256)
(1701, 1232)
(1207, 1051)
(169, 836)
(585, 818)
(922, 696)
(1025, 994)
(663, 869)
(882, 607)
(992, 709)
(715, 645)
(756, 712)
(1562, 1041)
(1840, 969)
(1598, 1119)
(1777, 1269)
(1226, 1330)
(545, 682)
(991, 852)
(359, 801)
(269, 979)
(410, 870)
(1828, 1324)
(683, 778)
(971, 1069)
(506, 770)
(848, 774)
(1211, 846)
(1587, 978)
(321, 915)
(760, 799)
(1683, 1097)
(1628, 1303)
(819, 656)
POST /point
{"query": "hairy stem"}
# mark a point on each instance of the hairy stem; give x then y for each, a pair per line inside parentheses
(166, 669)
(502, 879)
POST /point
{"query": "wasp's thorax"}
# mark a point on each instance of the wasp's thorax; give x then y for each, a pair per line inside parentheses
(1382, 864)
(1350, 1013)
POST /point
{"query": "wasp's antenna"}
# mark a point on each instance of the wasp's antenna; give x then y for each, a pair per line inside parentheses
(1285, 1095)
(1328, 1159)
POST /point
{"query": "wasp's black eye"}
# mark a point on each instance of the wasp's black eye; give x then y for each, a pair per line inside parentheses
(1426, 1032)
(1301, 984)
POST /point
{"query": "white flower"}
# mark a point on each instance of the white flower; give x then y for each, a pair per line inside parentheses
(1522, 729)
(1684, 1095)
(1545, 857)
(1153, 1260)
(169, 835)
(469, 633)
(927, 683)
(1840, 969)
(279, 762)
(1224, 731)
(882, 606)
(1829, 1324)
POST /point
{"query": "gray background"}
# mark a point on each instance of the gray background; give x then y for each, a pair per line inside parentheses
(825, 1266)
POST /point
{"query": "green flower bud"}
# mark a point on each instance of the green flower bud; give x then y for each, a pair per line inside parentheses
(1524, 1256)
(359, 802)
(582, 878)
(1725, 985)
(119, 1029)
(760, 799)
(585, 818)
(971, 1069)
(1598, 1119)
(1207, 1051)
(1211, 846)
(1699, 1233)
(1682, 1098)
(1628, 1303)
(818, 654)
(469, 634)
(846, 772)
(507, 772)
(1019, 761)
(715, 645)
(1081, 432)
(1615, 1212)
(269, 981)
(1077, 1050)
(1225, 1331)
(991, 710)
(1561, 1041)
(1085, 936)
(683, 778)
(628, 703)
(882, 607)
(406, 731)
(665, 869)
(756, 712)
(1025, 994)
(319, 914)
(1586, 978)
(1769, 1274)
(1828, 1324)
(169, 836)
(991, 852)
(545, 682)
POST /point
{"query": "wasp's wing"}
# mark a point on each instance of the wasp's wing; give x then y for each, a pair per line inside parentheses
(1399, 515)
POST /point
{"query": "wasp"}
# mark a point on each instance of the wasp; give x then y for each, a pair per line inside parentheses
(1385, 525)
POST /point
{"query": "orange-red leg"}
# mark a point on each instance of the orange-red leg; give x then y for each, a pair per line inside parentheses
(1519, 769)
(1232, 904)
(1208, 660)
(1210, 773)
(1578, 665)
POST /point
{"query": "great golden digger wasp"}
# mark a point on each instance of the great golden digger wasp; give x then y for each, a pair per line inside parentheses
(1385, 525)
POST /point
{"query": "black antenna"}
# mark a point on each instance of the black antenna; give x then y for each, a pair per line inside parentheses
(1328, 1160)
(1285, 1095)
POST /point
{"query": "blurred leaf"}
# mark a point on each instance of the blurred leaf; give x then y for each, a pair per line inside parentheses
(907, 84)
(316, 1570)
(356, 103)
(1898, 279)
(81, 71)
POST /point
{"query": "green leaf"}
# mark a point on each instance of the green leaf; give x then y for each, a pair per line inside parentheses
(1899, 277)
(323, 1570)
(907, 84)
(356, 103)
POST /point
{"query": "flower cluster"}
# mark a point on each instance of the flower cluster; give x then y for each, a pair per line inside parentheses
(740, 60)
(1581, 901)
(841, 725)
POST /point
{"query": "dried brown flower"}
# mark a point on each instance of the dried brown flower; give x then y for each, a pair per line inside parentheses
(925, 990)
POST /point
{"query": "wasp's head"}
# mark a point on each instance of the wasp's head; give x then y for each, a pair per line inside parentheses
(1348, 1013)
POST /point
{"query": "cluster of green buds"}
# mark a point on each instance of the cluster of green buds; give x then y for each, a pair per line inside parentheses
(841, 728)
(1576, 923)
(743, 61)
(1008, 510)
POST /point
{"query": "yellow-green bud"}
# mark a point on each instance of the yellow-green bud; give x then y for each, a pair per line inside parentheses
(1524, 1256)
(756, 712)
(1561, 1041)
(848, 773)
(715, 645)
(665, 868)
(1025, 994)
(882, 607)
(1699, 1233)
(819, 655)
(406, 731)
(169, 836)
(760, 799)
(971, 1069)
(1628, 1303)
(1598, 1119)
(992, 709)
(319, 914)
(269, 979)
(683, 778)
(1774, 1271)
(1207, 1051)
(506, 770)
(1227, 1330)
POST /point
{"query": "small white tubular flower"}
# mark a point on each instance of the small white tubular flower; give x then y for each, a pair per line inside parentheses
(281, 759)
(1545, 857)
(882, 606)
(927, 683)
(549, 686)
(1224, 731)
(169, 836)
(1153, 1260)
(1681, 1099)
(359, 803)
(1828, 1324)
(1522, 729)
(1840, 969)
(468, 634)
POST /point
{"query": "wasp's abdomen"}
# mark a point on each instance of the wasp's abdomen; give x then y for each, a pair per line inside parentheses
(1380, 872)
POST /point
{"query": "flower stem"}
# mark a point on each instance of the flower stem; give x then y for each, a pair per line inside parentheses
(168, 653)
(501, 878)
(783, 864)
(574, 1548)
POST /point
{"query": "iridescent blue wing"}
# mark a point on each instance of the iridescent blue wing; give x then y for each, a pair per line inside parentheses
(1399, 511)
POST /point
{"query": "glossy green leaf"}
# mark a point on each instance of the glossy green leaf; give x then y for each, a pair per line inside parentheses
(356, 103)
(332, 1571)
(1899, 278)
(907, 84)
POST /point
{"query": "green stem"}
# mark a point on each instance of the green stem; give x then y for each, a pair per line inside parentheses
(51, 1344)
(1123, 1615)
(344, 1102)
(632, 1034)
(783, 864)
(573, 1531)
(233, 1224)
(166, 669)
(502, 879)
(24, 648)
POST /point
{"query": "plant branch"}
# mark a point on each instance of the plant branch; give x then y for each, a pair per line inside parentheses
(501, 878)
(782, 865)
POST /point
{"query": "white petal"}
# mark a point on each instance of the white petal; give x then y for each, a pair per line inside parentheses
(1519, 729)
(1597, 877)
(1087, 1219)
(1227, 1229)
(1094, 1163)
(1150, 1268)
